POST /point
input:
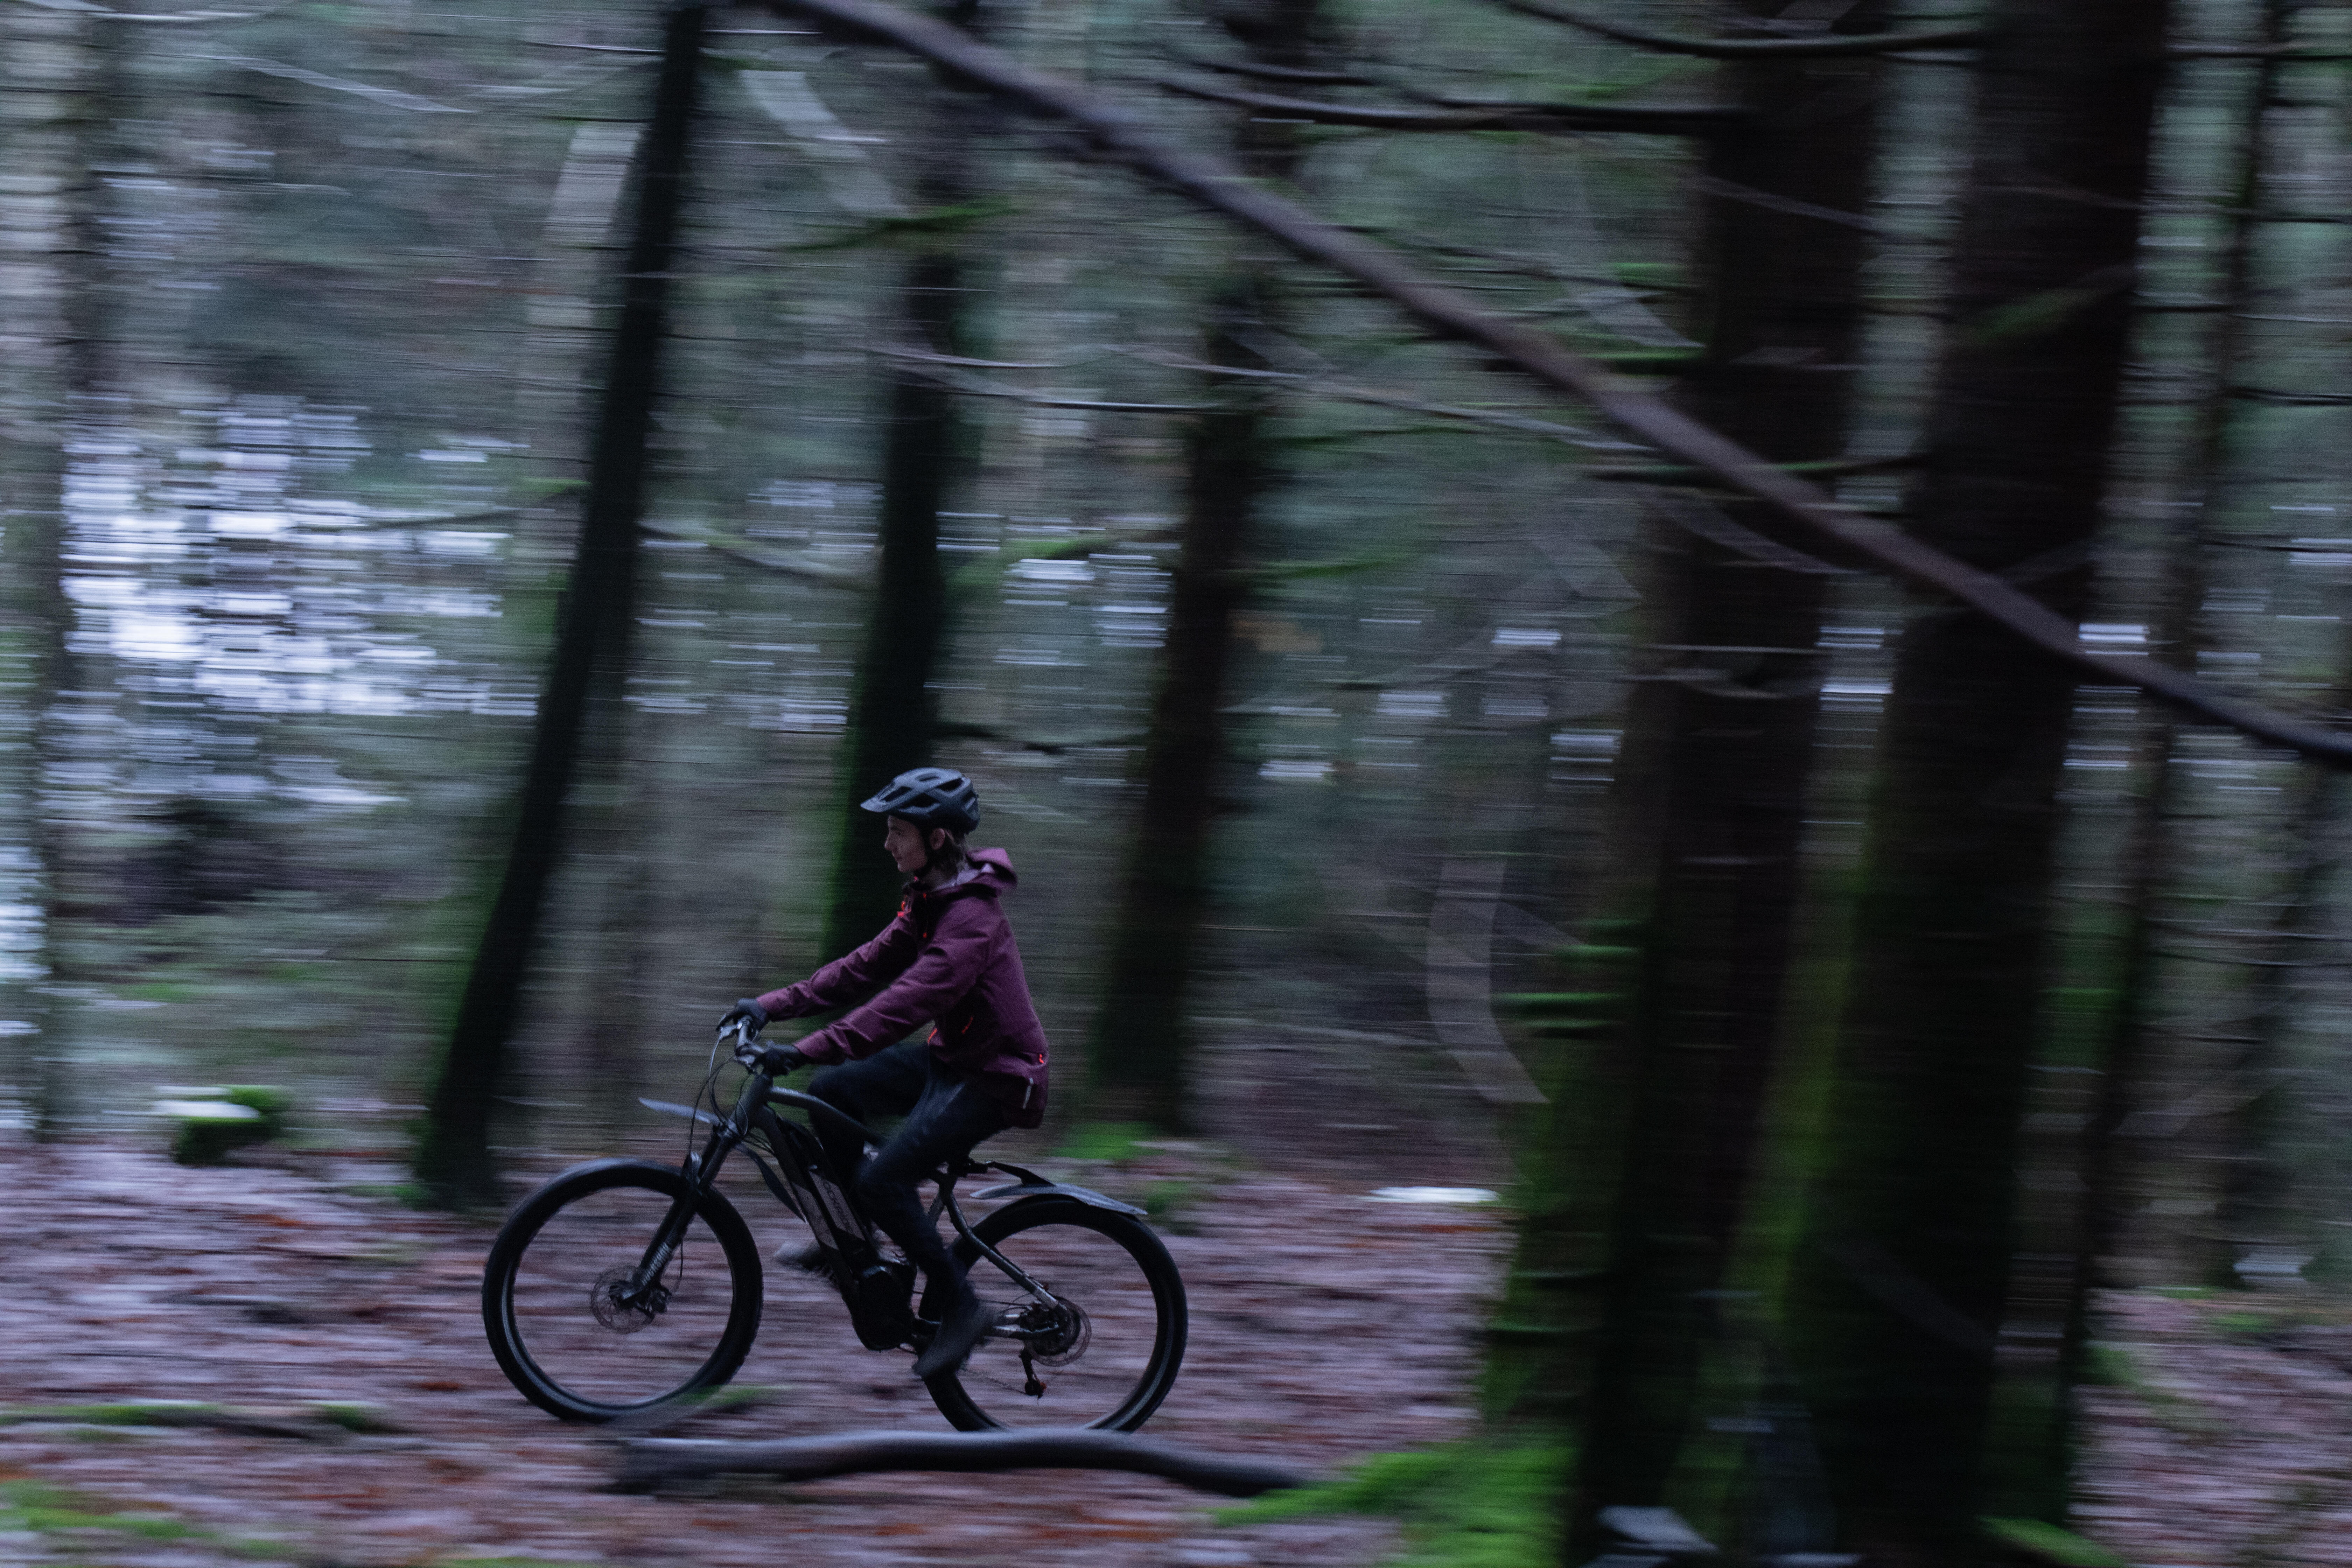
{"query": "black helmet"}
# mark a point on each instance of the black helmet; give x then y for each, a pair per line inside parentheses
(934, 797)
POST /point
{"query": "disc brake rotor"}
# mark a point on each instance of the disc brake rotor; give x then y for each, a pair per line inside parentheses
(610, 1301)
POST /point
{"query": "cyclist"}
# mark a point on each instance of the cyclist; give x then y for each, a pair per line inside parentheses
(947, 958)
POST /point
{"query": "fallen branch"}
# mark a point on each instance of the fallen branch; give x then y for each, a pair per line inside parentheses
(1215, 184)
(324, 1422)
(647, 1464)
(1833, 46)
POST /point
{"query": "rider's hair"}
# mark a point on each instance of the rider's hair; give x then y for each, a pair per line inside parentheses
(949, 858)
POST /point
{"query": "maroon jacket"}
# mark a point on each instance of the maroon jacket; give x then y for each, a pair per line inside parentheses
(949, 956)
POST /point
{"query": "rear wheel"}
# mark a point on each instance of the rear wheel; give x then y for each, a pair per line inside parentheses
(1100, 1347)
(578, 1322)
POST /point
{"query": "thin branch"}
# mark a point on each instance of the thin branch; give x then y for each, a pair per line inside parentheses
(108, 14)
(1652, 120)
(783, 560)
(960, 730)
(648, 1463)
(2289, 52)
(391, 98)
(982, 386)
(2278, 398)
(1213, 183)
(924, 356)
(1347, 392)
(1297, 74)
(1830, 469)
(1827, 47)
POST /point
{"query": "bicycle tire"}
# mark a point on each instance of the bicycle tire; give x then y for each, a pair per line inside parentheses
(542, 1285)
(1132, 1318)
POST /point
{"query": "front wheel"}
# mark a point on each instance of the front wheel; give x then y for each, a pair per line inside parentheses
(591, 1320)
(1099, 1348)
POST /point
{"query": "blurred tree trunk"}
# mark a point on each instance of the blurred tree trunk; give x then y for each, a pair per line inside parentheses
(892, 711)
(1898, 1297)
(1713, 792)
(2254, 1185)
(63, 85)
(2253, 1213)
(453, 1157)
(927, 445)
(2157, 833)
(1141, 1046)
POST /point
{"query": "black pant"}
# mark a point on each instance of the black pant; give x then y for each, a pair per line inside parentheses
(945, 1116)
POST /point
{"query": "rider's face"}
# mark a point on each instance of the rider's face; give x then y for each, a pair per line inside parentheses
(904, 841)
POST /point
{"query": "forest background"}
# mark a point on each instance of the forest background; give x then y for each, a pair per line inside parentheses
(484, 500)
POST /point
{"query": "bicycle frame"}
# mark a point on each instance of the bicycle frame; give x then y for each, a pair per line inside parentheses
(808, 1186)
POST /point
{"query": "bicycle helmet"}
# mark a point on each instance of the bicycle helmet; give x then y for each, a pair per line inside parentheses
(934, 797)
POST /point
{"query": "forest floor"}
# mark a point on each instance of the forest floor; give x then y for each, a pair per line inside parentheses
(2223, 1432)
(1326, 1326)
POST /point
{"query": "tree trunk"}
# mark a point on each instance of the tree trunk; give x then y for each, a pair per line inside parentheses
(892, 712)
(1141, 1046)
(927, 447)
(1138, 1053)
(2152, 856)
(61, 100)
(453, 1157)
(1897, 1300)
(1710, 866)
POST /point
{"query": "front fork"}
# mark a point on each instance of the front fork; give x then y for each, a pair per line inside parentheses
(701, 1172)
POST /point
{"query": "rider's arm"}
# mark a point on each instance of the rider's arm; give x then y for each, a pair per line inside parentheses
(853, 977)
(947, 966)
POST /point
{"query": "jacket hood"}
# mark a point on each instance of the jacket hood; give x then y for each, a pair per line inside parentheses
(991, 873)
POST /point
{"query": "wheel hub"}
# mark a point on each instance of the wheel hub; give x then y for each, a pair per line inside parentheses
(1054, 1334)
(619, 1305)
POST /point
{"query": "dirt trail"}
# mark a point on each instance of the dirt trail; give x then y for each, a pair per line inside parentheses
(1325, 1325)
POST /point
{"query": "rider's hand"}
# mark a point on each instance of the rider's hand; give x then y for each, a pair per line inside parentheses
(773, 1060)
(747, 1012)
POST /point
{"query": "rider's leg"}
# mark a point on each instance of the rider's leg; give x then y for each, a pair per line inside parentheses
(950, 1117)
(887, 1083)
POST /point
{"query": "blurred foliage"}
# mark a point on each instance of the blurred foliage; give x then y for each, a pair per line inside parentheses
(1467, 1505)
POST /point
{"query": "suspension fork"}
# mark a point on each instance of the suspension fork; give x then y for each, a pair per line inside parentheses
(701, 1172)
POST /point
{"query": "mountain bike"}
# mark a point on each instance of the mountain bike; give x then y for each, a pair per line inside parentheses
(622, 1285)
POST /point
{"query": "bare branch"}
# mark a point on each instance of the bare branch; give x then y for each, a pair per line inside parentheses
(647, 1463)
(1654, 120)
(1826, 46)
(1215, 184)
(785, 561)
(2255, 52)
(108, 14)
(947, 374)
(1834, 467)
(391, 98)
(1048, 745)
(1347, 392)
(1279, 73)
